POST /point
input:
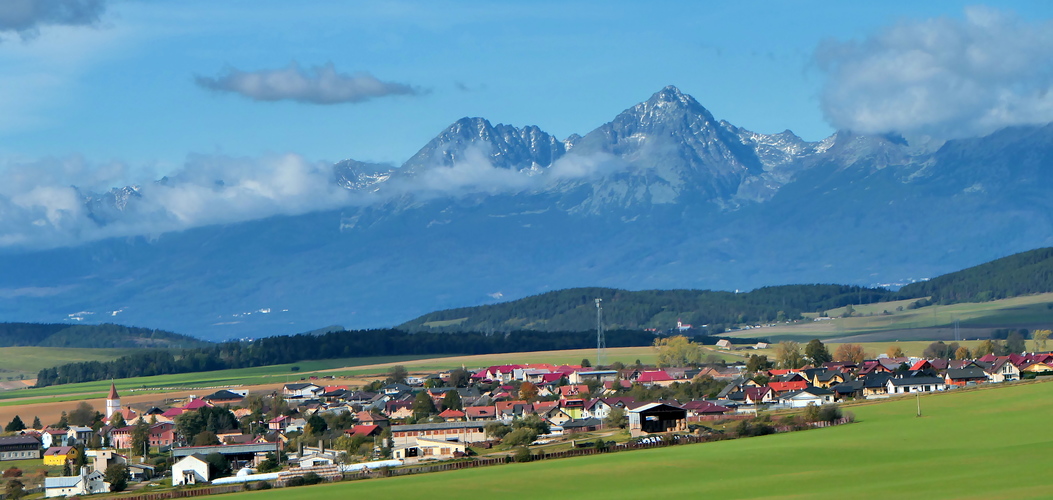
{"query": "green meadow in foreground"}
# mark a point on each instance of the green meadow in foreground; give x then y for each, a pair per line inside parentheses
(989, 443)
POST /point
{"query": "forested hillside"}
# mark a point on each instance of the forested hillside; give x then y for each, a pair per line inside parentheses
(1019, 274)
(93, 336)
(575, 308)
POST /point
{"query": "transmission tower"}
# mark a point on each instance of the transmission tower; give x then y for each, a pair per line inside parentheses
(601, 343)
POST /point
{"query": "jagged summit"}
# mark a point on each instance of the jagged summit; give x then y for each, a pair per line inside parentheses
(506, 146)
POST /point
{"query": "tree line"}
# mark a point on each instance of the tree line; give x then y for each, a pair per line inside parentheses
(362, 343)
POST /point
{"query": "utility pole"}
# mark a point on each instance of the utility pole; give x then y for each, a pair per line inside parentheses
(601, 343)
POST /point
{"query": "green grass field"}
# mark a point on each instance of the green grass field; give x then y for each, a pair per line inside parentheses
(1026, 311)
(980, 444)
(16, 362)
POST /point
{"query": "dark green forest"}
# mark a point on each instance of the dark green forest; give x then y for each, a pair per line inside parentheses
(575, 309)
(90, 336)
(1020, 274)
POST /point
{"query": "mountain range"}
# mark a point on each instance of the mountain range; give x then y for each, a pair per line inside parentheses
(662, 196)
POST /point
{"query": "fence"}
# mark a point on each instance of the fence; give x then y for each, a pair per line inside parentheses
(185, 493)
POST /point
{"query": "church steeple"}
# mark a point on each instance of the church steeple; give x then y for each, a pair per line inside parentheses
(113, 401)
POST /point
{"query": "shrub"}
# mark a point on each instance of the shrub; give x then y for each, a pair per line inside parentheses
(296, 481)
(829, 413)
(520, 437)
(522, 454)
(264, 485)
(13, 472)
(311, 478)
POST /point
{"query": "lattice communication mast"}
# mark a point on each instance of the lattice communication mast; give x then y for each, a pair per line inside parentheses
(601, 343)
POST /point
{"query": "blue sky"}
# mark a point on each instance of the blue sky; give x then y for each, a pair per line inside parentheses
(123, 89)
(265, 96)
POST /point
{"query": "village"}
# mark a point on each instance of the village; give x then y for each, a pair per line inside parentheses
(317, 429)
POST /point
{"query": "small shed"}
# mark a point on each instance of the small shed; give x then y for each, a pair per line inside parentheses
(657, 417)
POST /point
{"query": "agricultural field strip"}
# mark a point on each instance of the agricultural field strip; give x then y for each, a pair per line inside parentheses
(1005, 311)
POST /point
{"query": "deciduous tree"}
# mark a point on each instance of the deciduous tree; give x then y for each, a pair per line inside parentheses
(986, 347)
(962, 353)
(788, 354)
(617, 418)
(677, 351)
(894, 351)
(452, 399)
(528, 392)
(817, 352)
(423, 406)
(397, 375)
(850, 353)
(1041, 337)
(117, 475)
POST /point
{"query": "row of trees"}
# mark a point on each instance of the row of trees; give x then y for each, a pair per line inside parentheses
(292, 348)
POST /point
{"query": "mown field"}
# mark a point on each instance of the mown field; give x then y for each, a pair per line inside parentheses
(25, 362)
(988, 443)
(927, 323)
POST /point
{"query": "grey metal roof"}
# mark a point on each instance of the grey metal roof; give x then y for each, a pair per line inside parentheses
(61, 482)
(436, 426)
(13, 440)
(229, 449)
(917, 381)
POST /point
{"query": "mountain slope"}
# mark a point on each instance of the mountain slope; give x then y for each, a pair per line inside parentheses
(664, 196)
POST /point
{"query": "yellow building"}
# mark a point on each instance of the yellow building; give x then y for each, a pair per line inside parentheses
(58, 455)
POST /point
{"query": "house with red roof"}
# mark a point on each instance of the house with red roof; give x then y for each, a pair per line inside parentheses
(473, 413)
(705, 410)
(655, 377)
(278, 423)
(573, 391)
(783, 387)
(451, 415)
(367, 418)
(758, 395)
(364, 430)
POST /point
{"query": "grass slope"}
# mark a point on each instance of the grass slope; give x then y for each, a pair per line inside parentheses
(927, 323)
(989, 443)
(28, 361)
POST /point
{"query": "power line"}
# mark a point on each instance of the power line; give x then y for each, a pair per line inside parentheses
(601, 343)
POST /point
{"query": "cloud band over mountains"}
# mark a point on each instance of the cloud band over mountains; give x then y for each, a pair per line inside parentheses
(66, 202)
(317, 85)
(943, 77)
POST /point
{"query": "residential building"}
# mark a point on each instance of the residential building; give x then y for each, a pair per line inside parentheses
(19, 448)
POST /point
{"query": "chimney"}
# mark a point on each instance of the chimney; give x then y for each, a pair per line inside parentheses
(321, 447)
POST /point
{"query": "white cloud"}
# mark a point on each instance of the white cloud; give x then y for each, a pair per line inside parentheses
(318, 85)
(942, 77)
(65, 202)
(25, 17)
(40, 207)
